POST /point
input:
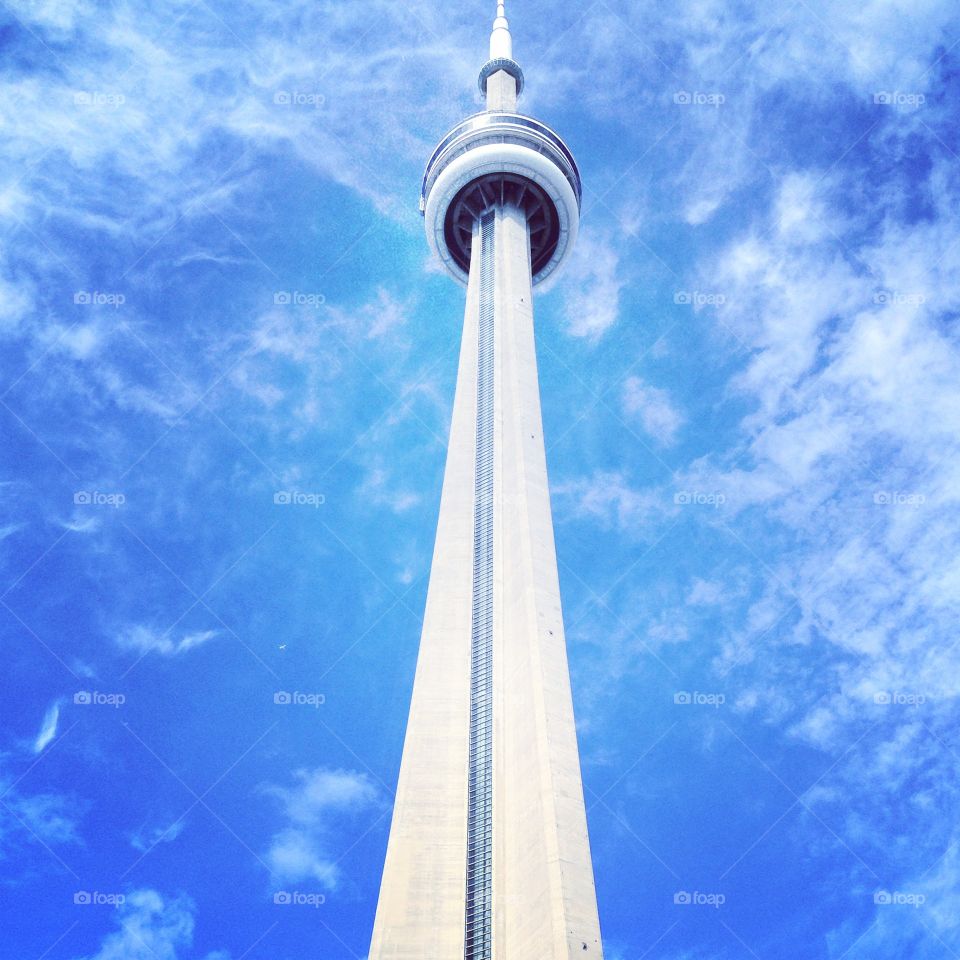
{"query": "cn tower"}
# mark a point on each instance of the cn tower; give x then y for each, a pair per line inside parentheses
(488, 856)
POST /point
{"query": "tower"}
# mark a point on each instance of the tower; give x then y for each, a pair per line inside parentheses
(488, 857)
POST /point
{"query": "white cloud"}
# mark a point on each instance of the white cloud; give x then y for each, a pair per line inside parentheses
(16, 300)
(9, 530)
(295, 856)
(592, 286)
(653, 407)
(922, 931)
(845, 481)
(48, 729)
(144, 639)
(609, 498)
(48, 819)
(385, 316)
(303, 848)
(710, 177)
(706, 593)
(154, 120)
(380, 490)
(81, 524)
(45, 818)
(146, 838)
(177, 136)
(151, 927)
(83, 669)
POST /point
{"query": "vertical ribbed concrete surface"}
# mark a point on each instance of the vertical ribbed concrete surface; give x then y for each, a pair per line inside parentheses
(420, 914)
(545, 901)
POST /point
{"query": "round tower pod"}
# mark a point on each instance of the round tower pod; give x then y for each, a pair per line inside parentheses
(501, 157)
(508, 65)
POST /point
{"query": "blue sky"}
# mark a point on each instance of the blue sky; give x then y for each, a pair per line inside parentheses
(214, 289)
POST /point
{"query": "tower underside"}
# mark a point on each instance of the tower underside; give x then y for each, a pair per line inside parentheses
(502, 188)
(488, 857)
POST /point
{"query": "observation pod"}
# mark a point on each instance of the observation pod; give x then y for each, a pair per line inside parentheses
(496, 157)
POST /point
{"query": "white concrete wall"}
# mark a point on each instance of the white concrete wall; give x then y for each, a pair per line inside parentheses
(421, 910)
(544, 895)
(502, 92)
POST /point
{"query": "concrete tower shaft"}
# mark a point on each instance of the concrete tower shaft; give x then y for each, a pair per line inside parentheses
(488, 857)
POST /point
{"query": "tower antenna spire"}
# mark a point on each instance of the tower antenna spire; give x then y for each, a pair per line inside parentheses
(501, 43)
(503, 92)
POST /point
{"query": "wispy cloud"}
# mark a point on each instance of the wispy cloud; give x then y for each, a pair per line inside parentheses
(45, 819)
(144, 639)
(146, 838)
(304, 849)
(151, 927)
(609, 498)
(379, 489)
(653, 408)
(48, 729)
(81, 524)
(592, 286)
(8, 530)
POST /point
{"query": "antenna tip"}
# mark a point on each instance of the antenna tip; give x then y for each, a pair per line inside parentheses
(501, 44)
